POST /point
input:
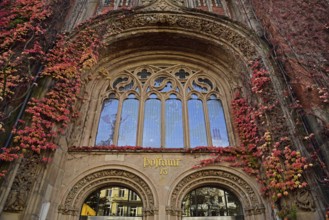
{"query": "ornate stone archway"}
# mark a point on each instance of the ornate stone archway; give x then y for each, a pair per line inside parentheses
(251, 201)
(71, 204)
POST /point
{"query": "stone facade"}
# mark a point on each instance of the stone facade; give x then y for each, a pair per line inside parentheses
(159, 32)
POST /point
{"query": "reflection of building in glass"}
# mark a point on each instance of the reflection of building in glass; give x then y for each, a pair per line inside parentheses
(211, 201)
(112, 201)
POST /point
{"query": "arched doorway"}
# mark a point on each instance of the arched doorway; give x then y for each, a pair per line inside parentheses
(212, 203)
(125, 187)
(216, 194)
(112, 202)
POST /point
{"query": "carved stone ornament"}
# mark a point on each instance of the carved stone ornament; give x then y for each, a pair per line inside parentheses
(150, 211)
(162, 5)
(27, 174)
(304, 200)
(236, 41)
(172, 211)
(74, 199)
(251, 202)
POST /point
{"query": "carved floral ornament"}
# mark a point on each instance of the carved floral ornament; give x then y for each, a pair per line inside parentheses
(250, 199)
(73, 201)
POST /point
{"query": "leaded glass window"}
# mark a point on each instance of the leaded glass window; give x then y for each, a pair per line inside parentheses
(171, 106)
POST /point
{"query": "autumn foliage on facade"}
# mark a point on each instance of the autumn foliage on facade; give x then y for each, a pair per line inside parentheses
(21, 37)
(48, 114)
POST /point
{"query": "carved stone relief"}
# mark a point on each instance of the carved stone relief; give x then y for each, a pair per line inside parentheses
(252, 204)
(73, 201)
(304, 200)
(27, 174)
(164, 5)
(216, 30)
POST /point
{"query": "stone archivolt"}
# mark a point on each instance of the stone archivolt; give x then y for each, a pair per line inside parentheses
(251, 202)
(237, 41)
(81, 189)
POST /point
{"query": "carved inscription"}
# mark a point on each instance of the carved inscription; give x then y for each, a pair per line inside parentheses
(160, 163)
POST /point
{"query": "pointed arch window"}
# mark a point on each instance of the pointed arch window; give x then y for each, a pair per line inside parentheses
(163, 106)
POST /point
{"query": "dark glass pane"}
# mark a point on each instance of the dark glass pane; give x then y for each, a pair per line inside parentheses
(107, 122)
(174, 123)
(217, 122)
(128, 122)
(159, 81)
(181, 74)
(197, 124)
(152, 122)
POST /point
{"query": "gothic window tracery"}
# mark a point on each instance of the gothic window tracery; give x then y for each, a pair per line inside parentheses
(171, 106)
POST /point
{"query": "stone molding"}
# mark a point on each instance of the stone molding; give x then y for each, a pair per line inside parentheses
(250, 199)
(236, 41)
(74, 198)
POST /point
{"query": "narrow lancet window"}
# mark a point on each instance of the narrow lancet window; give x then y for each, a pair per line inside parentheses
(107, 121)
(174, 123)
(152, 122)
(197, 126)
(128, 121)
(217, 122)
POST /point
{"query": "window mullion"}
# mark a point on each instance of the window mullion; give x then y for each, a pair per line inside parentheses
(117, 121)
(163, 126)
(140, 126)
(185, 122)
(206, 118)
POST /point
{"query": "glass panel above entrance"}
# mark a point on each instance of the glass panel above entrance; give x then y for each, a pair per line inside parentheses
(111, 203)
(109, 218)
(212, 204)
(214, 218)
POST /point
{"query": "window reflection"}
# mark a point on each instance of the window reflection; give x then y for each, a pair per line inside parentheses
(217, 122)
(197, 124)
(107, 122)
(152, 122)
(111, 201)
(211, 201)
(128, 121)
(174, 123)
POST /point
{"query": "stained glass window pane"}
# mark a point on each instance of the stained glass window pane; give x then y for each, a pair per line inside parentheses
(128, 122)
(107, 122)
(174, 123)
(152, 122)
(197, 124)
(217, 122)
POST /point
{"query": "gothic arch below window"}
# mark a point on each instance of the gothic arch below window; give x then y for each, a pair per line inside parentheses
(222, 178)
(78, 192)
